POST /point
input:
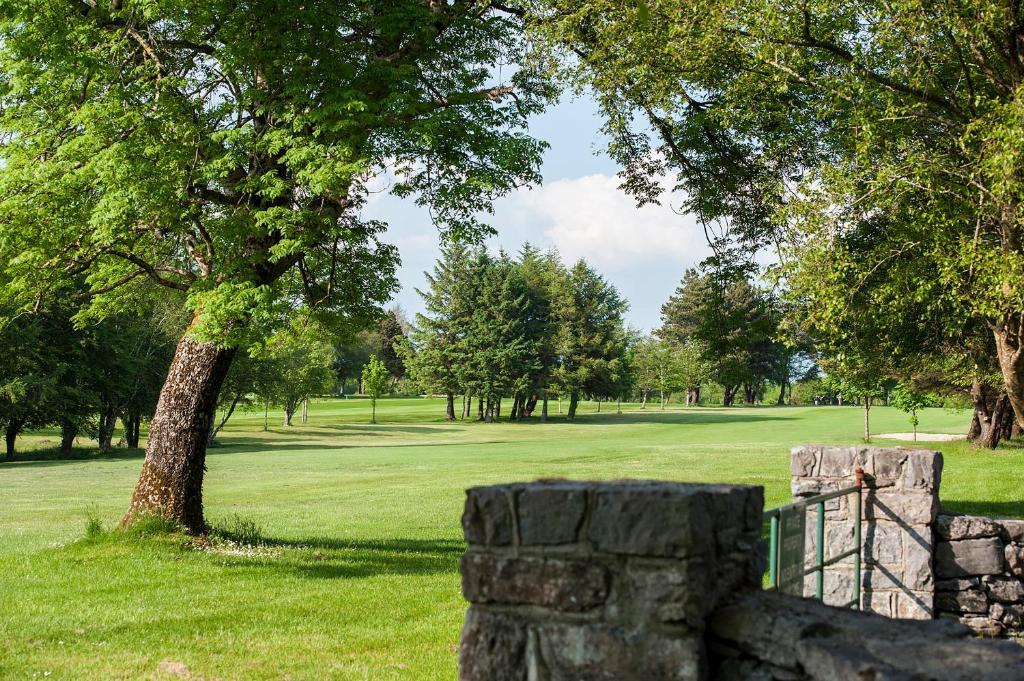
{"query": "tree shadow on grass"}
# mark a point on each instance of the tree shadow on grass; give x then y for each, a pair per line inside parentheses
(326, 558)
(43, 457)
(991, 509)
(676, 417)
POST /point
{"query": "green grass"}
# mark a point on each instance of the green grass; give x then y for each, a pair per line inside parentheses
(355, 573)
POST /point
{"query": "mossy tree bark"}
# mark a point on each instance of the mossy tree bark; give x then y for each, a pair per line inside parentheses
(171, 482)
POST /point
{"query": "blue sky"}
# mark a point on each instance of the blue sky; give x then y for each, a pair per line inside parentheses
(578, 209)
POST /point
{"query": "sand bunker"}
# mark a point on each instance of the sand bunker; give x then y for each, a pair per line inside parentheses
(922, 437)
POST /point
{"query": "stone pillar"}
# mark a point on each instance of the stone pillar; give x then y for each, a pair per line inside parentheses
(588, 580)
(899, 510)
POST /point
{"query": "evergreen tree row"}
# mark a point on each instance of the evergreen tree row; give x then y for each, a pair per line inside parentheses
(526, 328)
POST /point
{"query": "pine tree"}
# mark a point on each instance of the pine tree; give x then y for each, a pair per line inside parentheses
(439, 335)
(591, 337)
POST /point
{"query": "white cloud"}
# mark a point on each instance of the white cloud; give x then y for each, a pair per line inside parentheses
(644, 251)
(592, 218)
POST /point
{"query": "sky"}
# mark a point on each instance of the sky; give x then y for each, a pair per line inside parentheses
(578, 209)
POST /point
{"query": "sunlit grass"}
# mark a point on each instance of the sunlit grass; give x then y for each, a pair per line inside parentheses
(339, 543)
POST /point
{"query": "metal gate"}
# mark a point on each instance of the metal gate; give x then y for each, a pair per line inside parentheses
(787, 527)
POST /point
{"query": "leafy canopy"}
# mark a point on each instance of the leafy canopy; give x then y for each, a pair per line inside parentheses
(224, 149)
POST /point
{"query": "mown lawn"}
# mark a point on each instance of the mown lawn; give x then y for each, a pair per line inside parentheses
(358, 574)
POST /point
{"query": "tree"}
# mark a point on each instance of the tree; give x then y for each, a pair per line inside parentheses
(541, 273)
(439, 335)
(223, 150)
(731, 323)
(883, 134)
(351, 355)
(392, 336)
(501, 356)
(376, 378)
(591, 335)
(909, 401)
(299, 365)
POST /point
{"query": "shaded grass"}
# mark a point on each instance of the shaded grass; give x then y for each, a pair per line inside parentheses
(354, 574)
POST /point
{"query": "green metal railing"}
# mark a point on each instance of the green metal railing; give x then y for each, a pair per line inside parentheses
(786, 537)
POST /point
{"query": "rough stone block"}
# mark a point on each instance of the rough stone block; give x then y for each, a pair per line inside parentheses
(921, 470)
(915, 605)
(968, 558)
(821, 643)
(803, 461)
(886, 466)
(1014, 529)
(585, 652)
(492, 648)
(1005, 589)
(674, 594)
(837, 586)
(907, 507)
(1014, 556)
(982, 626)
(1008, 615)
(551, 514)
(879, 577)
(487, 518)
(667, 519)
(917, 561)
(971, 601)
(566, 585)
(883, 543)
(838, 538)
(956, 527)
(957, 584)
(841, 462)
(880, 602)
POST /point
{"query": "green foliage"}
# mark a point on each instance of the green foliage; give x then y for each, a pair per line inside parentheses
(376, 379)
(224, 150)
(297, 363)
(732, 326)
(498, 327)
(591, 341)
(909, 401)
(873, 146)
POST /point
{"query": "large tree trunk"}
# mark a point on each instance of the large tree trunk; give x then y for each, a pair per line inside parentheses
(1010, 353)
(134, 429)
(729, 395)
(544, 409)
(489, 414)
(781, 400)
(994, 432)
(105, 434)
(171, 482)
(531, 405)
(11, 435)
(574, 402)
(449, 412)
(68, 433)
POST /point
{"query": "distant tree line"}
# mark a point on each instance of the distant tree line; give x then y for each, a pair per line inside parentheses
(528, 328)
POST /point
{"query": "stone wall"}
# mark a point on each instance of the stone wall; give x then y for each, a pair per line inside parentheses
(765, 636)
(604, 580)
(979, 571)
(655, 581)
(900, 504)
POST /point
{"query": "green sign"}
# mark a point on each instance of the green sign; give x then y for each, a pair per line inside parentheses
(792, 525)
